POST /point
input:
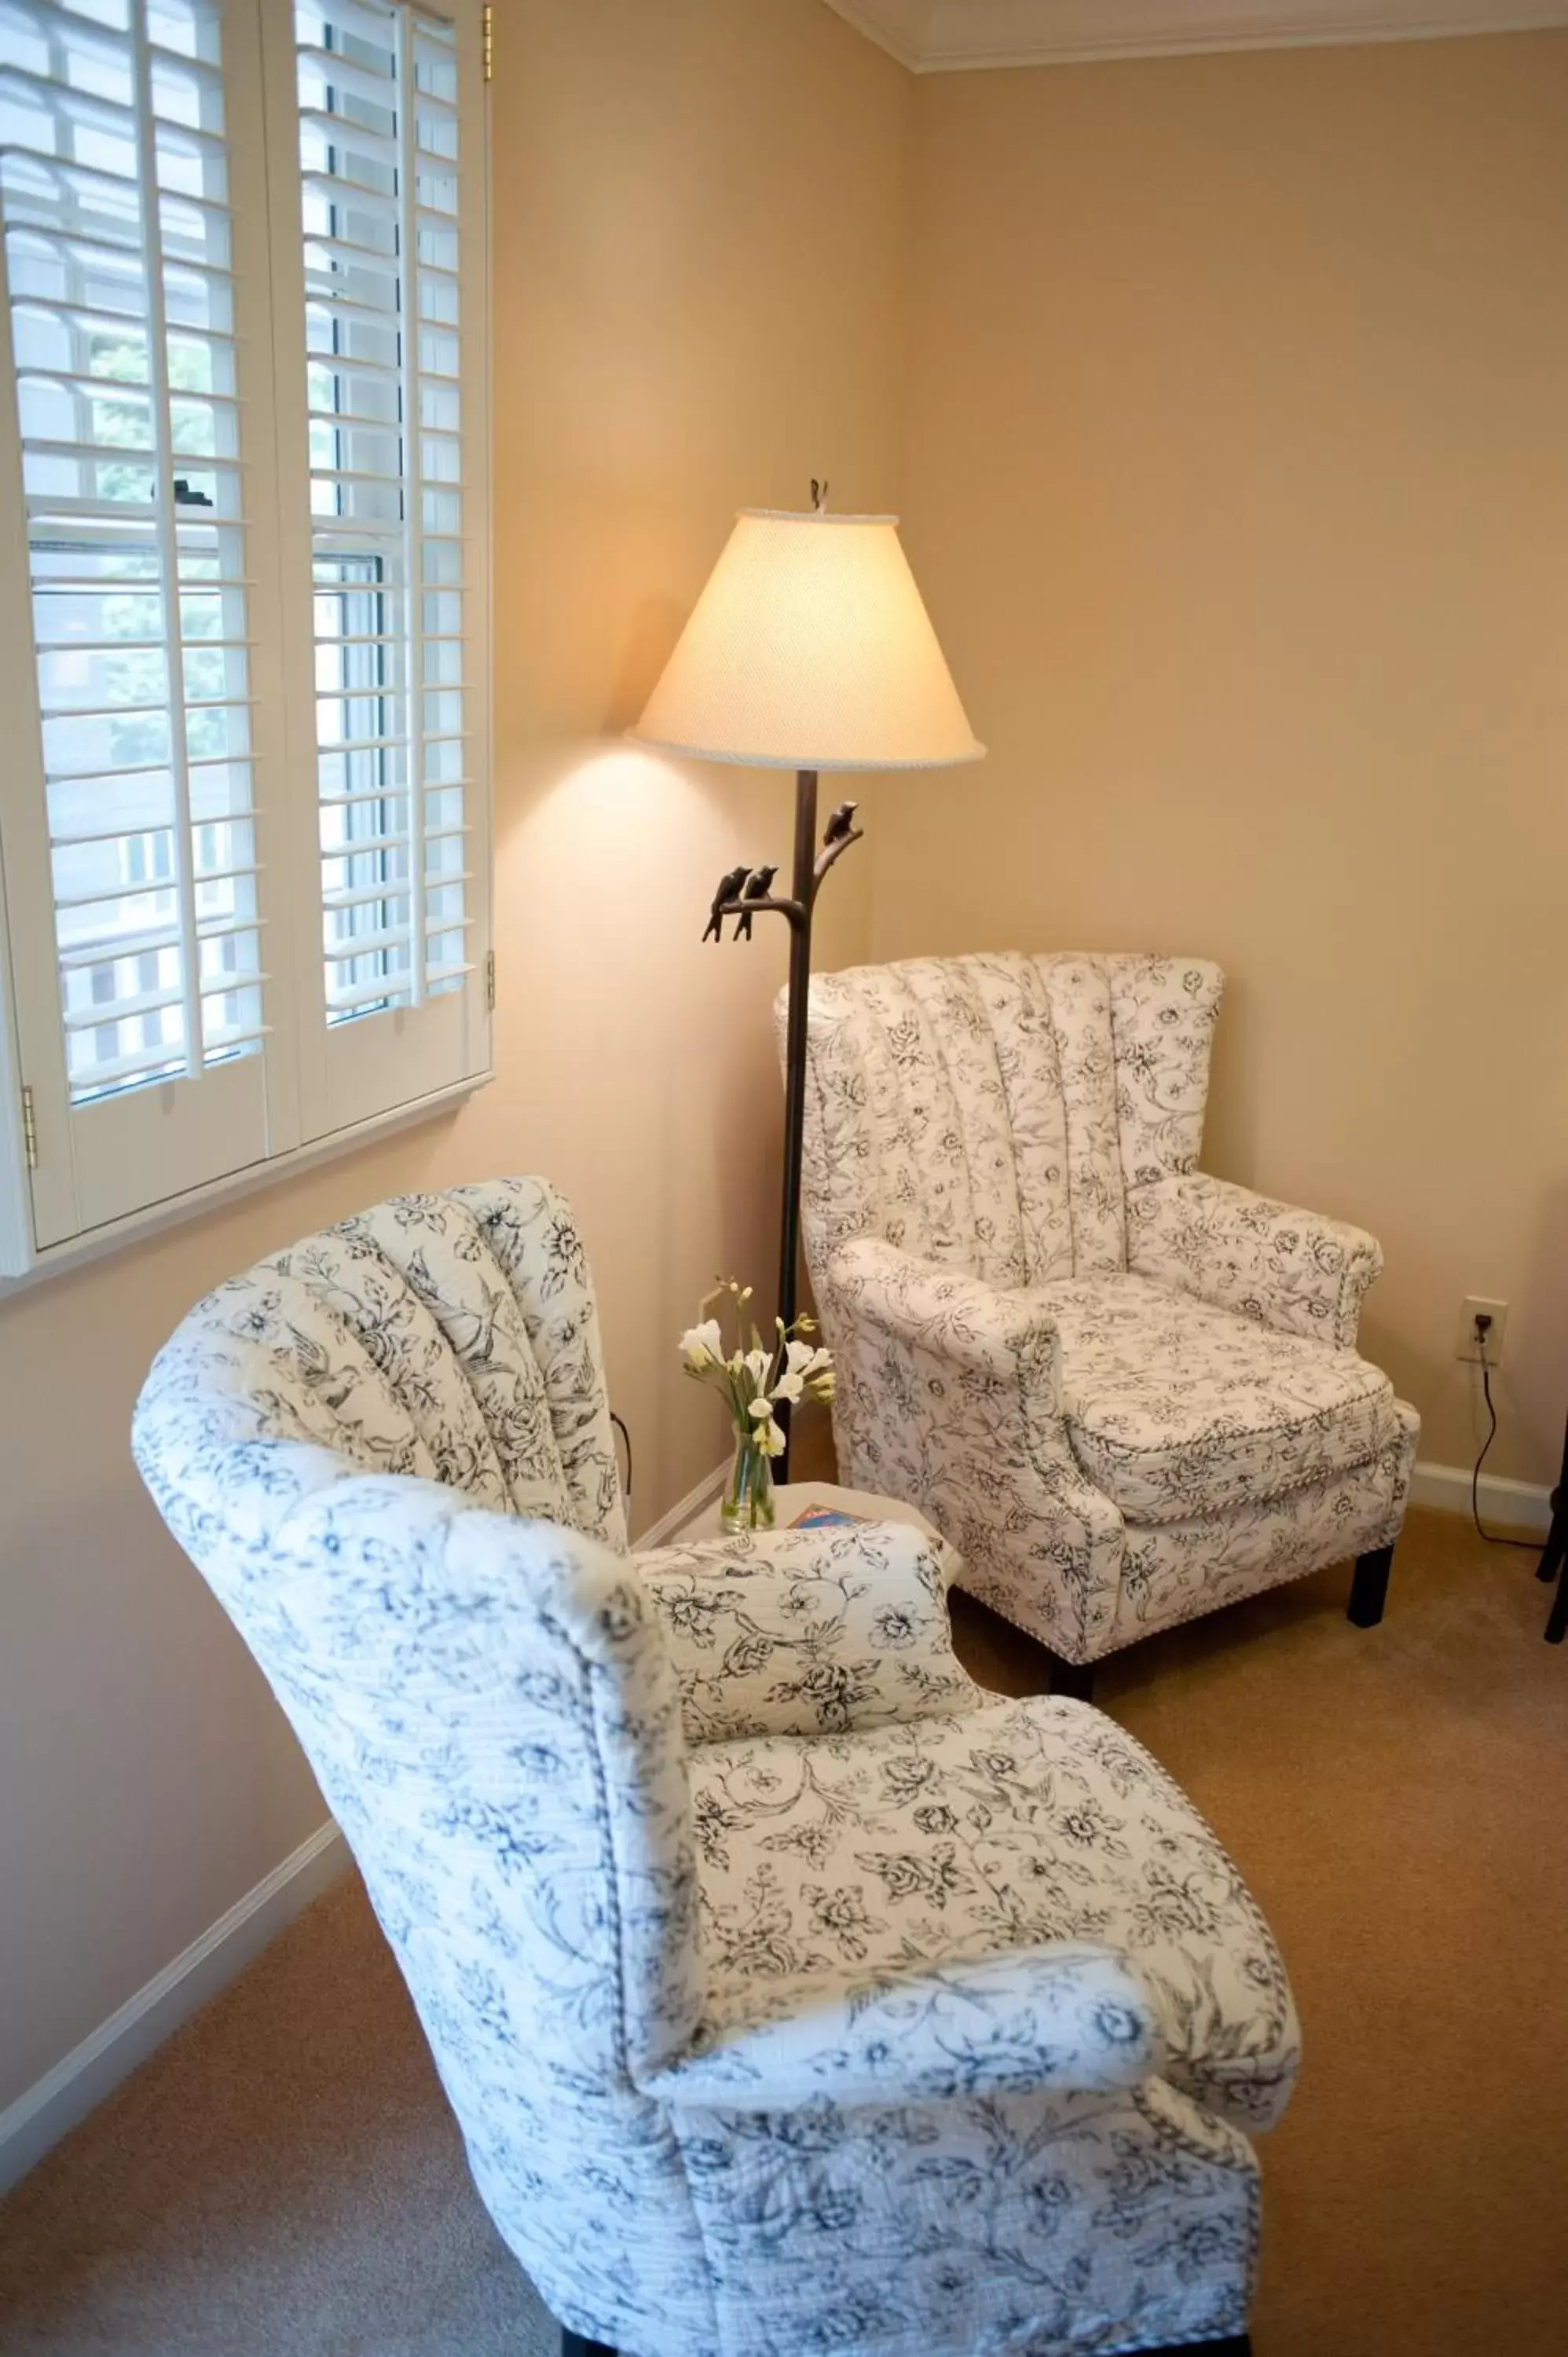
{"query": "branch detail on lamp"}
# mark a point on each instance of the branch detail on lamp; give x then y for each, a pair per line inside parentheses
(809, 649)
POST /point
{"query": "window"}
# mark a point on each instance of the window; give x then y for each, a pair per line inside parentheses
(242, 589)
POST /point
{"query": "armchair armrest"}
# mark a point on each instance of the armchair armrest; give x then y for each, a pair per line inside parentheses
(1069, 2016)
(1294, 1270)
(808, 1632)
(950, 1394)
(1010, 1336)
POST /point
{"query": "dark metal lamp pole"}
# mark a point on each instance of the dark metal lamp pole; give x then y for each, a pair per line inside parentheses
(744, 902)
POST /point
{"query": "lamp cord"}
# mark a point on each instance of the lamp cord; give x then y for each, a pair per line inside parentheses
(1493, 1538)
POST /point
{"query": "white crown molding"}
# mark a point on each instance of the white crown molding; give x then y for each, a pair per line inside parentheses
(902, 28)
(958, 36)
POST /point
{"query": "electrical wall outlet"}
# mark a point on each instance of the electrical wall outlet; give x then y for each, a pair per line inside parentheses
(1469, 1346)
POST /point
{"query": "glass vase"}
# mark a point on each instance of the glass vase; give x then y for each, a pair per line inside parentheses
(748, 1503)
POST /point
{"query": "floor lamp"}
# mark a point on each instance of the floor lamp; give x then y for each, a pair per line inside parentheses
(809, 649)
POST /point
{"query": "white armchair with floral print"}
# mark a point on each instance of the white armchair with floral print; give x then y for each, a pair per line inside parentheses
(1127, 1392)
(792, 1994)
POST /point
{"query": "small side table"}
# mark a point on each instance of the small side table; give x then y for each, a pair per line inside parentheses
(793, 1499)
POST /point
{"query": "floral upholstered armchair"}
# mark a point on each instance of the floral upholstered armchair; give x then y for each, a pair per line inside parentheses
(792, 1994)
(1127, 1392)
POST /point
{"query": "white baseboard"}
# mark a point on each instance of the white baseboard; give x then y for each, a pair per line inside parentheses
(1516, 1505)
(38, 2119)
(685, 1511)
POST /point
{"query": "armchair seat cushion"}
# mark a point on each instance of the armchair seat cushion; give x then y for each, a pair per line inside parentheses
(853, 1859)
(1176, 1408)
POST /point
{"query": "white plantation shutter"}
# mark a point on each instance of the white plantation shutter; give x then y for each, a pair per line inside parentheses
(391, 357)
(379, 156)
(242, 584)
(123, 336)
(115, 200)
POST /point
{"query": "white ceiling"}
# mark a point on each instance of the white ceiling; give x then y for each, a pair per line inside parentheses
(945, 35)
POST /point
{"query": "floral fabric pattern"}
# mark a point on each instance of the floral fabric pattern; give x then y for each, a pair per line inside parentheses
(453, 1337)
(808, 1632)
(1079, 993)
(1132, 1396)
(1007, 1827)
(1291, 1270)
(1176, 1408)
(1073, 2225)
(1175, 1571)
(791, 1995)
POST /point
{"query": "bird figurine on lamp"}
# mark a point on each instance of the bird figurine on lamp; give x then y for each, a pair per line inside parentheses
(723, 897)
(809, 649)
(754, 895)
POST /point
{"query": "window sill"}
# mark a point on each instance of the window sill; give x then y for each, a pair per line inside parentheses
(96, 1244)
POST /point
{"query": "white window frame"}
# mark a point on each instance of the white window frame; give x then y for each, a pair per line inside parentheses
(173, 1147)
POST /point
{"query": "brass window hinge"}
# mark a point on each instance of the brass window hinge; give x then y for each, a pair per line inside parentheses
(490, 43)
(29, 1126)
(490, 981)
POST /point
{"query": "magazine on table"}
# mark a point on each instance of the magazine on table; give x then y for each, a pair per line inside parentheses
(823, 1518)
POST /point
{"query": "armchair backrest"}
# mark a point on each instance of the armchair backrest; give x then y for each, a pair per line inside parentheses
(486, 1699)
(454, 1337)
(992, 1111)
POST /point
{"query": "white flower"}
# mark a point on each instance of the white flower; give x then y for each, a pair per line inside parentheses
(769, 1438)
(702, 1346)
(788, 1387)
(761, 1411)
(806, 1363)
(756, 1364)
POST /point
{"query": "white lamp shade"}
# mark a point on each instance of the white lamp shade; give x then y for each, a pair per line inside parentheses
(809, 649)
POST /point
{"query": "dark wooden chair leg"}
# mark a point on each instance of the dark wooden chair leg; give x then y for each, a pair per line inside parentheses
(1557, 1626)
(1370, 1588)
(1073, 1680)
(574, 2345)
(1553, 1564)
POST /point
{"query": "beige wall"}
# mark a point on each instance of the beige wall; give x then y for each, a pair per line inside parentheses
(1237, 481)
(697, 273)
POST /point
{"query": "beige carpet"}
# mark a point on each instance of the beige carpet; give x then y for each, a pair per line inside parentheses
(282, 2177)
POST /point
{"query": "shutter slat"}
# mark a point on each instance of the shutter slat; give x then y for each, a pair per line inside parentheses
(343, 74)
(109, 894)
(119, 834)
(351, 136)
(147, 1001)
(358, 945)
(125, 388)
(104, 948)
(358, 257)
(359, 845)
